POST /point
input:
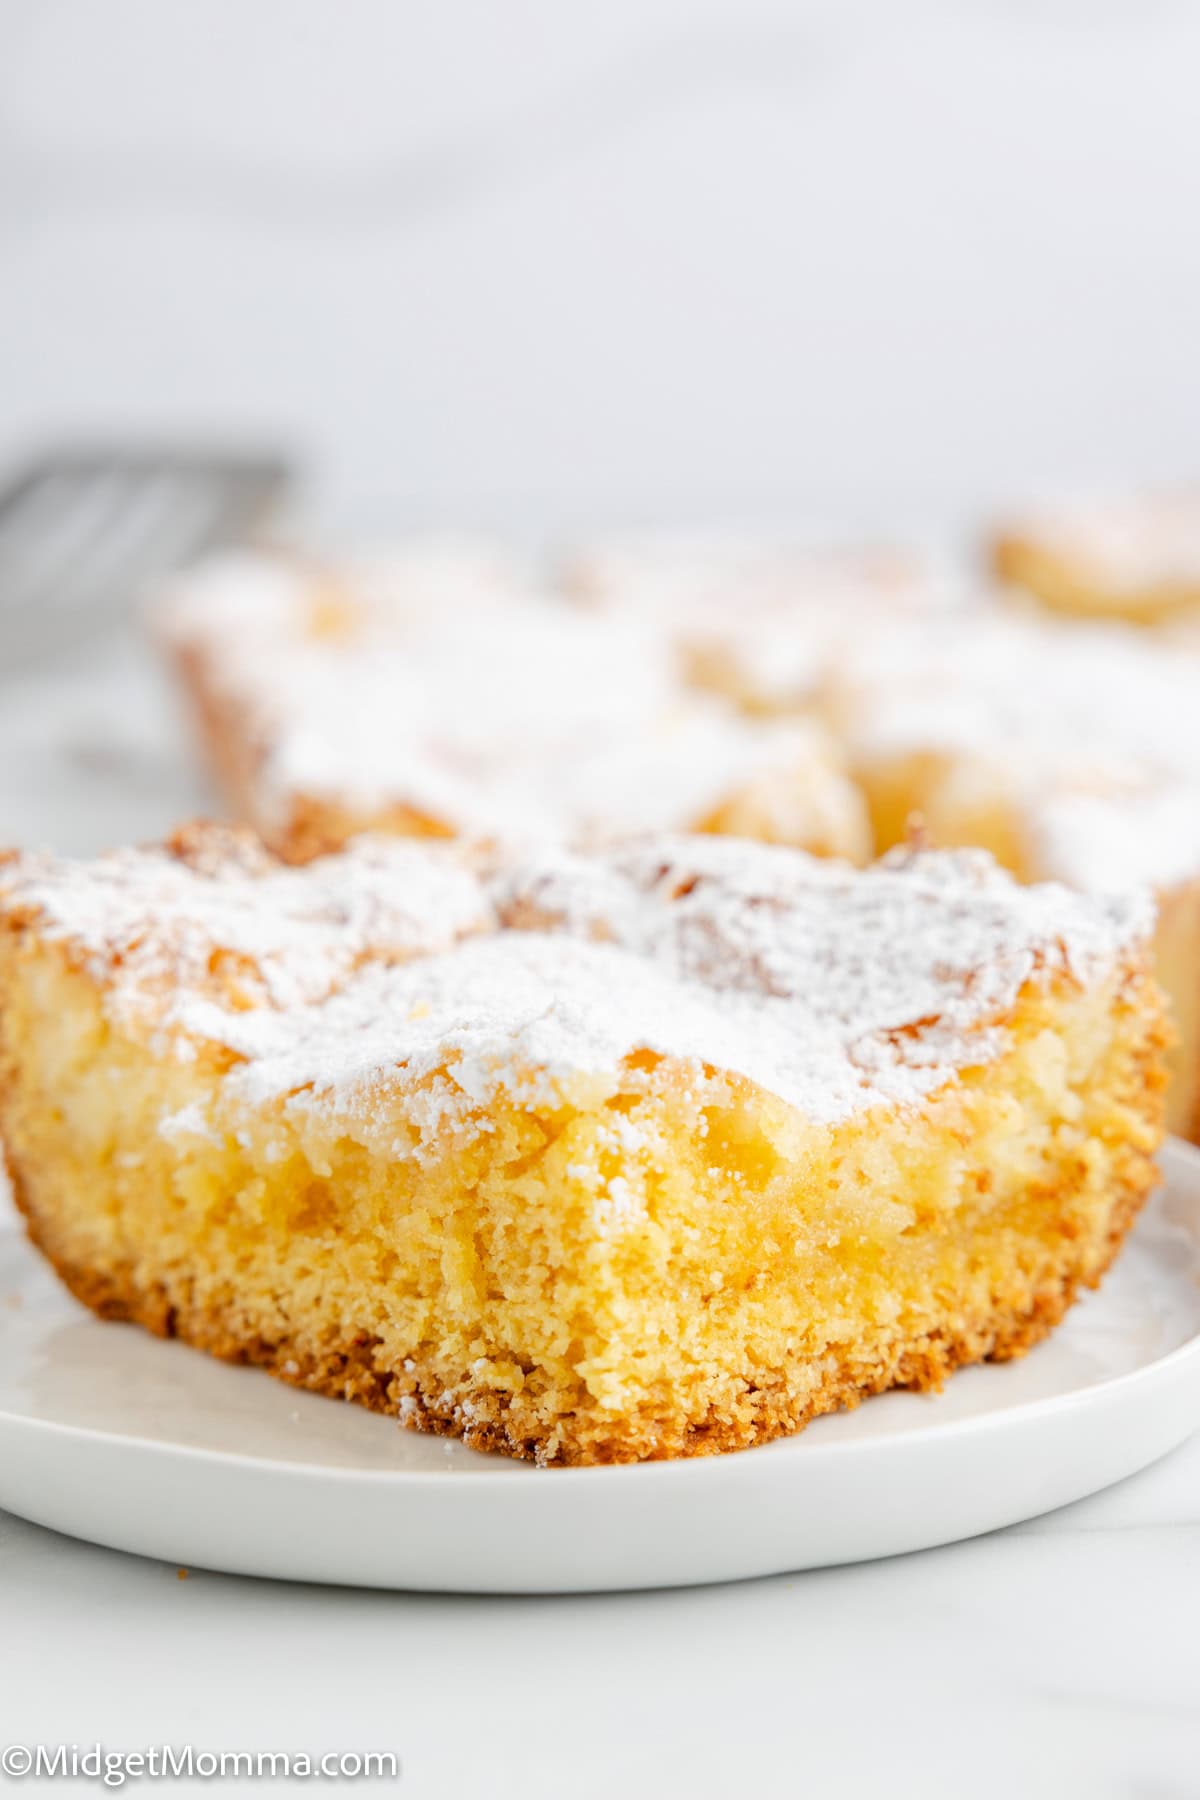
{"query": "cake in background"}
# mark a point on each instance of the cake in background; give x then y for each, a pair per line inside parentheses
(1136, 558)
(373, 698)
(1071, 752)
(587, 1158)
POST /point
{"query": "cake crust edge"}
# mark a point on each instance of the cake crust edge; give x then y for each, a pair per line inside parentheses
(349, 1372)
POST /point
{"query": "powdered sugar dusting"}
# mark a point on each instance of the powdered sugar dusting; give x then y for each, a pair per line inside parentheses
(833, 988)
(762, 617)
(524, 720)
(1090, 734)
(1127, 545)
(213, 917)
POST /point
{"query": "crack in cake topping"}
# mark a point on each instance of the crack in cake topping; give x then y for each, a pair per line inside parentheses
(833, 988)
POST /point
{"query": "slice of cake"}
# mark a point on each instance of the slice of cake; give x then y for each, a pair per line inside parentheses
(588, 1158)
(1072, 753)
(334, 704)
(1136, 559)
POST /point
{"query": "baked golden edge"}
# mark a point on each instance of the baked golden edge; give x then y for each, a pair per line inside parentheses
(1056, 583)
(306, 826)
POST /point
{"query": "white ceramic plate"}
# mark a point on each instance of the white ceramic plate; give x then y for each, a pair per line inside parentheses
(111, 1435)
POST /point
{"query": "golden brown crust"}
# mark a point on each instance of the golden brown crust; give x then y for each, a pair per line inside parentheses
(349, 1371)
(1058, 584)
(232, 760)
(309, 827)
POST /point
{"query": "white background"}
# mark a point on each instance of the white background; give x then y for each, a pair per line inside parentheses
(544, 263)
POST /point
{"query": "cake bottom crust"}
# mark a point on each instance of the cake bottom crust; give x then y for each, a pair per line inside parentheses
(349, 1370)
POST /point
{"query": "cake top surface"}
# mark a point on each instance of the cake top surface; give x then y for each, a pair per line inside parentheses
(1092, 731)
(1143, 541)
(833, 988)
(684, 571)
(519, 720)
(773, 611)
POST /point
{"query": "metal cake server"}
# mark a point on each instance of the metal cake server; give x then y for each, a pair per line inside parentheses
(83, 530)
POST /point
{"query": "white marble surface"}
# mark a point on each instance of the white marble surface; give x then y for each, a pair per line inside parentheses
(646, 256)
(1054, 1661)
